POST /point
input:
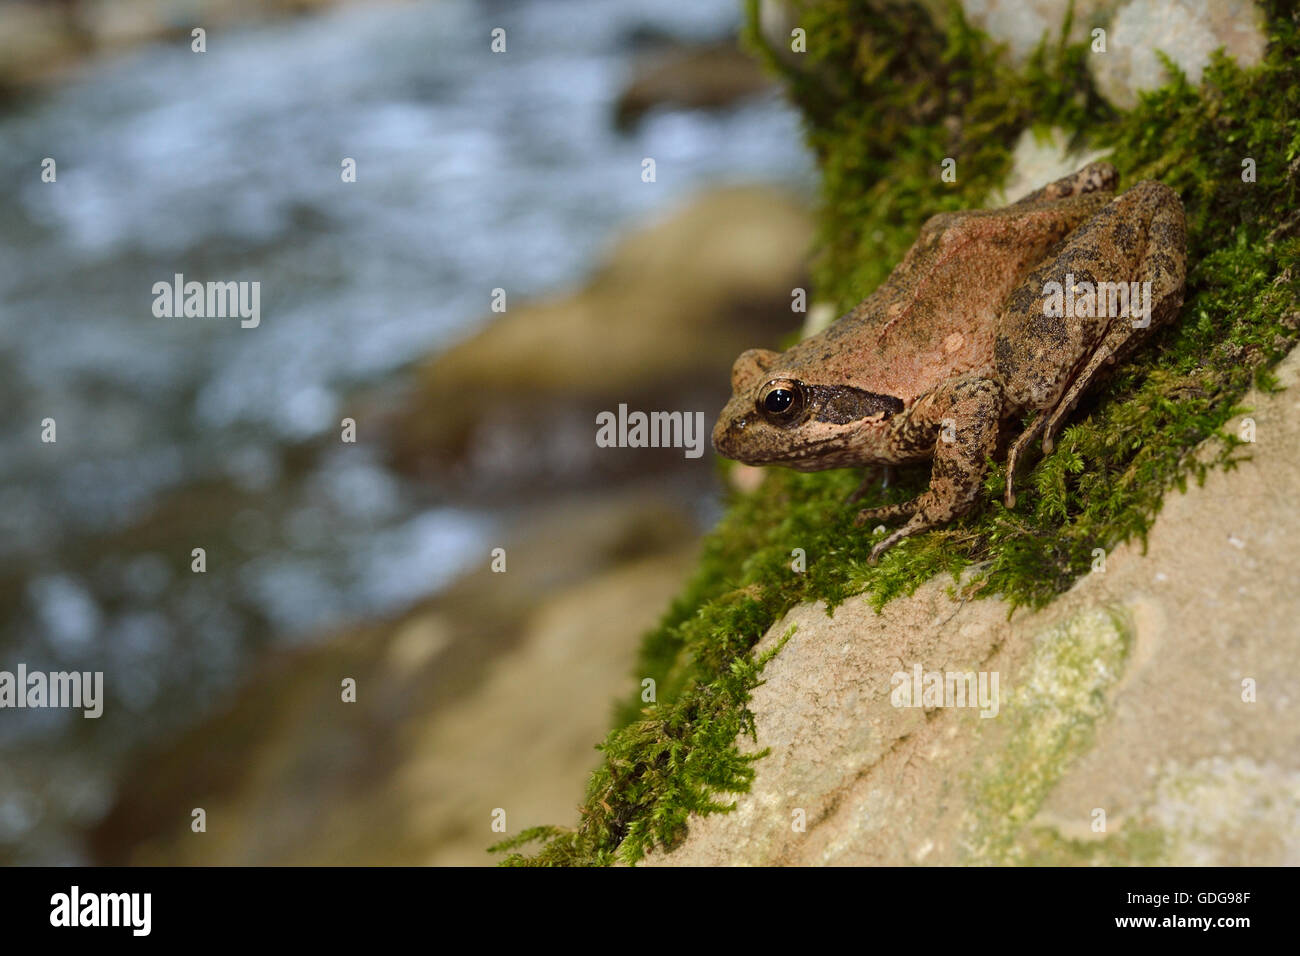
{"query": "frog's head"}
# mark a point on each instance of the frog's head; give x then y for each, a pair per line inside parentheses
(774, 417)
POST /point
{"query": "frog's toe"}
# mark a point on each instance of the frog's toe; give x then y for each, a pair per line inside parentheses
(1018, 448)
(883, 546)
(903, 509)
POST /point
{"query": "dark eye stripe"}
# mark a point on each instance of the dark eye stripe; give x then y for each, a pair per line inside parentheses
(841, 404)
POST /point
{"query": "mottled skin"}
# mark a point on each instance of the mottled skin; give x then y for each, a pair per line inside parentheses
(955, 345)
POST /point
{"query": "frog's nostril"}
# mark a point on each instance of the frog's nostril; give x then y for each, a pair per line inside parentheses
(724, 437)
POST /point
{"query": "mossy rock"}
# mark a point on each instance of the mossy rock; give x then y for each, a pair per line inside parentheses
(887, 95)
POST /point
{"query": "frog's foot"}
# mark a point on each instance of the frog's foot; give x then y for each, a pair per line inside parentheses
(902, 509)
(930, 510)
(885, 473)
(1099, 360)
(1018, 449)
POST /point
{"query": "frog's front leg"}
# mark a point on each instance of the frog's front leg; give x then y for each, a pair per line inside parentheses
(958, 423)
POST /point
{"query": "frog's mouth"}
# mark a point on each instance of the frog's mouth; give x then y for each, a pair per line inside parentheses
(809, 449)
(727, 442)
(835, 451)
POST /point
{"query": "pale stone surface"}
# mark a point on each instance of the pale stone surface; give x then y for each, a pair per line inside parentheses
(1124, 696)
(1188, 31)
(1022, 24)
(525, 741)
(1038, 158)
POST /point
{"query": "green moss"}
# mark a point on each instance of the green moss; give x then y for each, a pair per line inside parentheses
(886, 97)
(1133, 845)
(1217, 811)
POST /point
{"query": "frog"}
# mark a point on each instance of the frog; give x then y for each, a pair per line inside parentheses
(963, 343)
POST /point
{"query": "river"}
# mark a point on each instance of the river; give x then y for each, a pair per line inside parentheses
(474, 171)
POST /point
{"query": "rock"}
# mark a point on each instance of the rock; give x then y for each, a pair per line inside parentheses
(1040, 158)
(37, 42)
(776, 21)
(40, 42)
(706, 76)
(1146, 716)
(1023, 24)
(657, 328)
(1188, 31)
(488, 696)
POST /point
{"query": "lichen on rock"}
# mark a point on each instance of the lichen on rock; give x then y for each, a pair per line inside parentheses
(1052, 713)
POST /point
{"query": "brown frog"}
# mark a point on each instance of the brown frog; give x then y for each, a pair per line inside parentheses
(991, 315)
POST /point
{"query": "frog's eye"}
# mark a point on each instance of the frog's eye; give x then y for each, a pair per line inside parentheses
(781, 401)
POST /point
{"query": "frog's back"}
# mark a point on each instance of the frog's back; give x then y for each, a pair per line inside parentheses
(936, 315)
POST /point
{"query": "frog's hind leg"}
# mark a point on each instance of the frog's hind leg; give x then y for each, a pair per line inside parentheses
(1013, 456)
(1166, 274)
(1047, 423)
(1156, 280)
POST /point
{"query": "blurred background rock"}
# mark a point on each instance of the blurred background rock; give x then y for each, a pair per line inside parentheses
(328, 560)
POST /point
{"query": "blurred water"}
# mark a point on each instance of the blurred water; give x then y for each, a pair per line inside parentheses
(474, 171)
